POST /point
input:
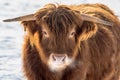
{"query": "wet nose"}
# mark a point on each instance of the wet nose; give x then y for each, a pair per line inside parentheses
(59, 57)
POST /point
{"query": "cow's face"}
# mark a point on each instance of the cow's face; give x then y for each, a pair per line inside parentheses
(58, 37)
(58, 45)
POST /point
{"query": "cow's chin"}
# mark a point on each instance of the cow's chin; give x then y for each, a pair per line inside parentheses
(58, 66)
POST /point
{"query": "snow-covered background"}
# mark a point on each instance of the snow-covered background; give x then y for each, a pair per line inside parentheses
(11, 34)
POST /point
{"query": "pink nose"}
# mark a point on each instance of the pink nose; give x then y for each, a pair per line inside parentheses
(59, 57)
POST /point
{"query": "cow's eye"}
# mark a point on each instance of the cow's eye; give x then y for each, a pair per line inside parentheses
(72, 34)
(45, 34)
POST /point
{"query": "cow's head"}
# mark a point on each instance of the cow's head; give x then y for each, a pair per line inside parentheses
(56, 32)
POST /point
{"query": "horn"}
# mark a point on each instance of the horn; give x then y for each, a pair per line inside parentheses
(95, 19)
(29, 17)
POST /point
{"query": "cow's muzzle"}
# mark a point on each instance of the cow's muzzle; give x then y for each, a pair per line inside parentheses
(58, 62)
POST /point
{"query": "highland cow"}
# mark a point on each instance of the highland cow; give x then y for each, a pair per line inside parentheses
(71, 42)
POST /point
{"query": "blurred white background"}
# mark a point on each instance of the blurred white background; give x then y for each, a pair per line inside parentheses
(11, 34)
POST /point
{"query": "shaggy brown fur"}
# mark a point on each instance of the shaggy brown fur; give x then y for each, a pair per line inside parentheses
(95, 48)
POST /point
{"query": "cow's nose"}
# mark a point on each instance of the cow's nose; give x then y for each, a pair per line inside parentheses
(59, 57)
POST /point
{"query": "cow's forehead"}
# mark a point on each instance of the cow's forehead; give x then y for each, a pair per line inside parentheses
(59, 19)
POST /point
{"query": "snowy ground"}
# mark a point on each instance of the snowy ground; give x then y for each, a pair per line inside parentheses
(11, 34)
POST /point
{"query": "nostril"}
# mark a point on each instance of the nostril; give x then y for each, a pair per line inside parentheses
(64, 58)
(53, 57)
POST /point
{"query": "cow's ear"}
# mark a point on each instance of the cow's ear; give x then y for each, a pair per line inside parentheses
(88, 29)
(30, 26)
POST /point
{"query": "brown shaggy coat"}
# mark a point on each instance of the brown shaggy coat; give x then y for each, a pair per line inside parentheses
(96, 46)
